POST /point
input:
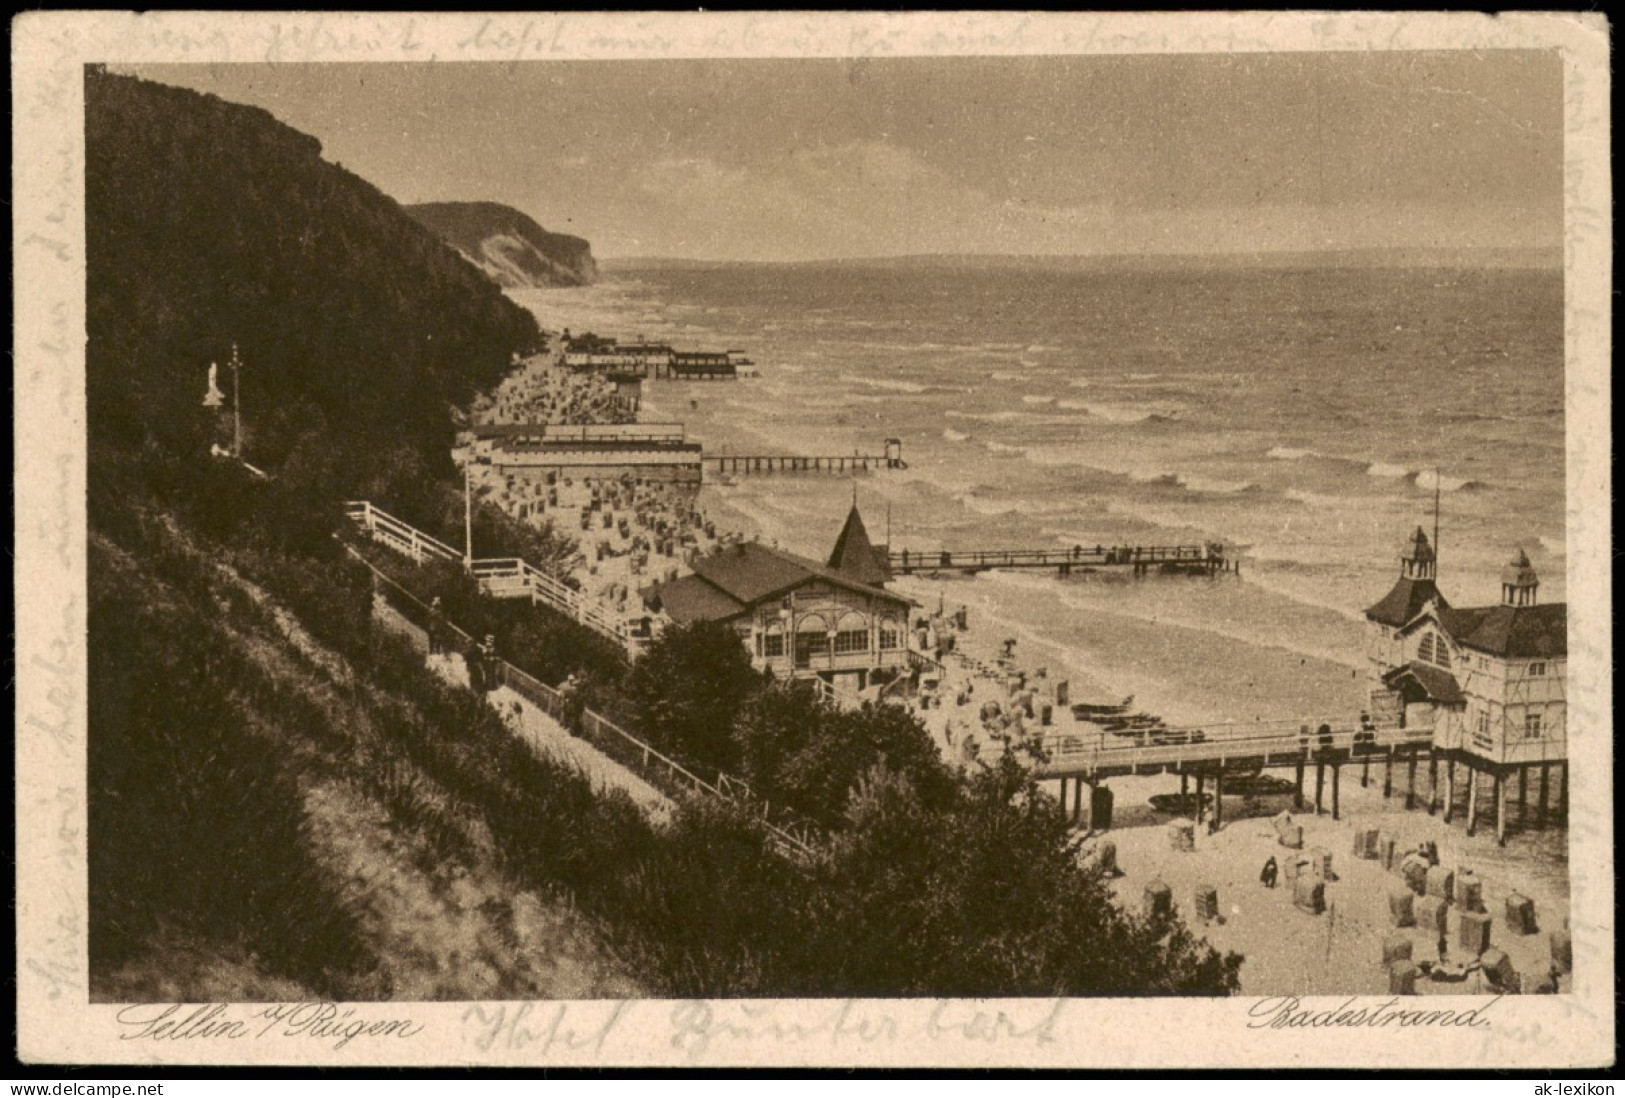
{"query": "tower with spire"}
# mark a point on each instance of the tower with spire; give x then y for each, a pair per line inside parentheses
(855, 555)
(1520, 586)
(1488, 682)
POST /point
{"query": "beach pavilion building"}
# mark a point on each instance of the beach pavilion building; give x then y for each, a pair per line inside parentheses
(1489, 680)
(798, 618)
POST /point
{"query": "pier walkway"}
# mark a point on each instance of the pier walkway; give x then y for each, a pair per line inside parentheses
(1142, 559)
(752, 464)
(1215, 752)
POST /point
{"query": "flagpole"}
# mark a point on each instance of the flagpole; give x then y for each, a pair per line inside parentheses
(236, 407)
(468, 519)
(1436, 479)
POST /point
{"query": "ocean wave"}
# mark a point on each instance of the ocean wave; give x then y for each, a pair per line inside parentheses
(912, 388)
(1213, 485)
(1028, 419)
(1191, 482)
(994, 447)
(1315, 499)
(989, 507)
(1428, 480)
(1037, 398)
(1287, 453)
(1123, 413)
(954, 436)
(1009, 375)
(889, 386)
(1052, 457)
(1383, 469)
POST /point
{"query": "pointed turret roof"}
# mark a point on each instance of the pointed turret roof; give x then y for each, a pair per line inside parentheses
(1415, 588)
(1418, 547)
(855, 556)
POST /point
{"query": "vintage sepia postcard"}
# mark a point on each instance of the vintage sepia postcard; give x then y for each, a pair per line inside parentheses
(835, 540)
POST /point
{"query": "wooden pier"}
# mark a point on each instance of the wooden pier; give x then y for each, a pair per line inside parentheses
(1220, 751)
(755, 464)
(1206, 757)
(1141, 559)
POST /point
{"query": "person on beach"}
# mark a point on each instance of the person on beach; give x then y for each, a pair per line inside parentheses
(1269, 874)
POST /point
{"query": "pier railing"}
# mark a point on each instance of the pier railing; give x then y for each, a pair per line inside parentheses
(1257, 743)
(1193, 557)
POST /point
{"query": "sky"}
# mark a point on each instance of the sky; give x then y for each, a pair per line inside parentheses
(808, 159)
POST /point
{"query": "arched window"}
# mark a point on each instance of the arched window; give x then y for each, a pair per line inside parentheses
(852, 634)
(1441, 653)
(812, 638)
(891, 634)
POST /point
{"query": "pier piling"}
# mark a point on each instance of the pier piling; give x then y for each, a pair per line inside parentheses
(1410, 782)
(1449, 788)
(1388, 774)
(1320, 785)
(1545, 773)
(1297, 788)
(1433, 781)
(1501, 784)
(1472, 800)
(1336, 783)
(1218, 796)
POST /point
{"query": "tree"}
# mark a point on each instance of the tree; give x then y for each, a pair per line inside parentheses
(985, 895)
(688, 688)
(799, 750)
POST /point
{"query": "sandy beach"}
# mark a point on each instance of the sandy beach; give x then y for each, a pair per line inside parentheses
(1339, 951)
(631, 534)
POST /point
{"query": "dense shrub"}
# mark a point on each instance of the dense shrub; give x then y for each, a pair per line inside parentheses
(196, 819)
(687, 690)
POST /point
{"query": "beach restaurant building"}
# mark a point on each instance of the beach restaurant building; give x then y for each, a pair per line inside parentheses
(796, 617)
(1489, 680)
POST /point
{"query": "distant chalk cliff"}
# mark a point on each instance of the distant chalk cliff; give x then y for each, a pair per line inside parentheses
(507, 245)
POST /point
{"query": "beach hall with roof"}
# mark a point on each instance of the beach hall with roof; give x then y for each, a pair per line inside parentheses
(1488, 680)
(798, 618)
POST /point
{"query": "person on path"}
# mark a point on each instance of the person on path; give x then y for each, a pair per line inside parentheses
(572, 703)
(1269, 874)
(437, 628)
(487, 657)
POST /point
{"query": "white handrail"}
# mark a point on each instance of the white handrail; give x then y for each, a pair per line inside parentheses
(540, 586)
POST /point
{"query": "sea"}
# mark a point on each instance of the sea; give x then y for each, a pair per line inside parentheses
(1306, 419)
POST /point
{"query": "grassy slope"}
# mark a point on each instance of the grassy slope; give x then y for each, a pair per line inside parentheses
(425, 908)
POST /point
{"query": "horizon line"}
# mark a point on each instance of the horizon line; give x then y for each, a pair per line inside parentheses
(1464, 251)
